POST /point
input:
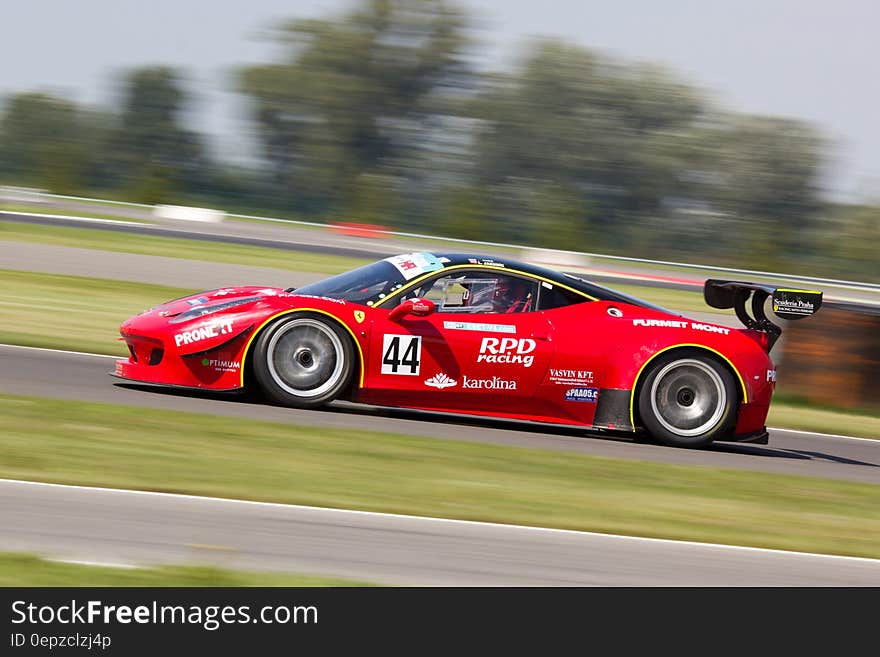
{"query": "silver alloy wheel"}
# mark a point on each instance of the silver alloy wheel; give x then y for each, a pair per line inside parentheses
(305, 357)
(688, 397)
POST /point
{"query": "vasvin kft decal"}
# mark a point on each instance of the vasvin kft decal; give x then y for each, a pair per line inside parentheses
(401, 354)
(570, 377)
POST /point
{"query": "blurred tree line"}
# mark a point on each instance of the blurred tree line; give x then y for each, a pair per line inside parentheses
(381, 115)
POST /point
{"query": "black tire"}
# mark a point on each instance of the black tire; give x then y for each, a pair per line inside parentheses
(687, 399)
(303, 361)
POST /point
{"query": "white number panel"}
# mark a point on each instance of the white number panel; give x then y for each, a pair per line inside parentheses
(401, 354)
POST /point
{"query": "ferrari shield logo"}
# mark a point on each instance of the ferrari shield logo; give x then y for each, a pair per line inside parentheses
(359, 316)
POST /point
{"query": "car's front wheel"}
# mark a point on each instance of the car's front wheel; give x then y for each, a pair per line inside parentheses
(687, 399)
(303, 361)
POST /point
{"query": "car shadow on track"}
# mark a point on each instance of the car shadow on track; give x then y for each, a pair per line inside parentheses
(830, 457)
(781, 452)
(350, 408)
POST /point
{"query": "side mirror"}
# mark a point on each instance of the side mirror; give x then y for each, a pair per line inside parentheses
(417, 307)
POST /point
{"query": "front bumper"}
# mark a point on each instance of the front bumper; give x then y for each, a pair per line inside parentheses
(150, 361)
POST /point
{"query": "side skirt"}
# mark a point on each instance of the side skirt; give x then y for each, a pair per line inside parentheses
(756, 438)
(612, 410)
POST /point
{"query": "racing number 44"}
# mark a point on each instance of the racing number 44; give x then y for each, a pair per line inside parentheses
(401, 354)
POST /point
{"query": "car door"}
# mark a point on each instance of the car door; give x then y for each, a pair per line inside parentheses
(469, 354)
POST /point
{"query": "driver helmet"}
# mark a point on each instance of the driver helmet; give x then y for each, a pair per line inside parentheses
(511, 295)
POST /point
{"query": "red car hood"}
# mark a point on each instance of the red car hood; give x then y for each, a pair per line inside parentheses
(213, 297)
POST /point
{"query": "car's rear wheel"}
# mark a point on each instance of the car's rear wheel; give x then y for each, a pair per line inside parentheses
(303, 361)
(687, 399)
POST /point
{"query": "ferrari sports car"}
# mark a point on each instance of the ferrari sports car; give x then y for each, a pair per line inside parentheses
(485, 336)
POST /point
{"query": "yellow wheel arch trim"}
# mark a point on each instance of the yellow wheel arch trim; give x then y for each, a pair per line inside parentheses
(420, 279)
(632, 394)
(357, 344)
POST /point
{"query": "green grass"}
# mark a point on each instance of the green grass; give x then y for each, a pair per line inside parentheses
(72, 312)
(117, 446)
(31, 570)
(824, 420)
(173, 247)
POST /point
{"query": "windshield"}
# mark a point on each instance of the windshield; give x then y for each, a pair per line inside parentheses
(364, 285)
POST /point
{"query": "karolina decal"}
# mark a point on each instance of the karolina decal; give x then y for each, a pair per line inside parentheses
(495, 383)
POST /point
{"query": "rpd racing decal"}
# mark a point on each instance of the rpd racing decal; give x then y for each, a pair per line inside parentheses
(401, 354)
(507, 350)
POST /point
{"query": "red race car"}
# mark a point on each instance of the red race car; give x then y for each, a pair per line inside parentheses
(483, 336)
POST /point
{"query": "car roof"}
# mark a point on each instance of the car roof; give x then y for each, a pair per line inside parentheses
(572, 280)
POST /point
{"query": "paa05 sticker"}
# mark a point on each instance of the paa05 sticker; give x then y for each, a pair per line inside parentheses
(401, 354)
(582, 395)
(415, 264)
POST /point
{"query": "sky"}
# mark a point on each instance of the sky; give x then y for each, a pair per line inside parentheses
(807, 59)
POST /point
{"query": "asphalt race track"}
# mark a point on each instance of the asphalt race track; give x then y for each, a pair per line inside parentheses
(131, 527)
(134, 527)
(138, 268)
(86, 377)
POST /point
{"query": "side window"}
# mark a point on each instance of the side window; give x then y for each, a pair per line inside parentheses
(479, 292)
(555, 297)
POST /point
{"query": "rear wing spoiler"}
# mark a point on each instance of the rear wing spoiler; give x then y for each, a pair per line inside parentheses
(786, 303)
